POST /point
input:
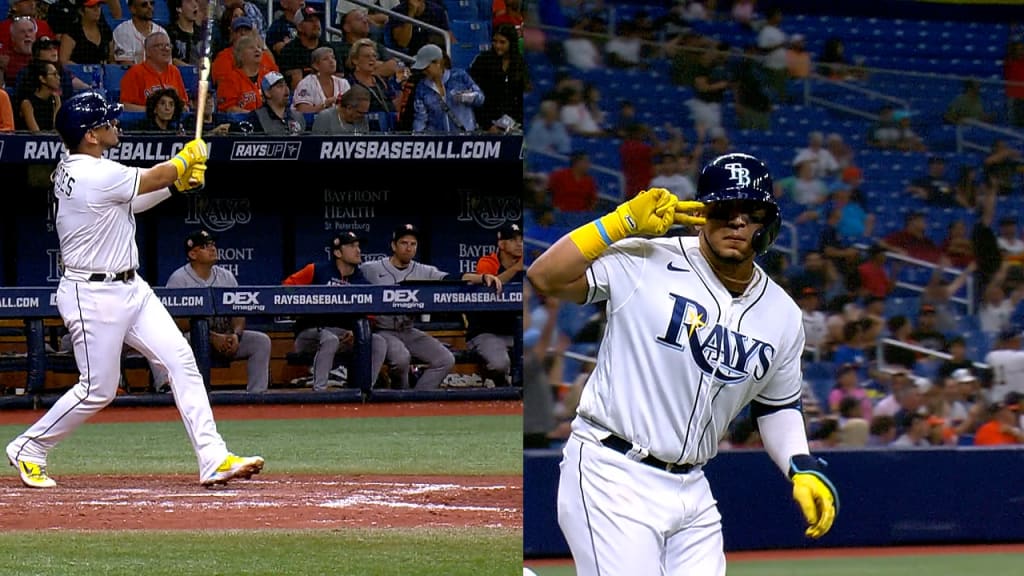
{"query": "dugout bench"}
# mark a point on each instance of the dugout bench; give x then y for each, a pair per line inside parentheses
(36, 307)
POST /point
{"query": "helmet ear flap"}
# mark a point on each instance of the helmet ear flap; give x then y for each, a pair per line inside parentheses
(765, 237)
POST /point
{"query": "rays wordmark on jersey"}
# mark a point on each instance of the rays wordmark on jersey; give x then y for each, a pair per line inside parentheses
(731, 357)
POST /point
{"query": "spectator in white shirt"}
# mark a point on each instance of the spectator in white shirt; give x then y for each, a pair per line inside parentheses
(1009, 241)
(576, 115)
(772, 42)
(673, 175)
(130, 34)
(580, 50)
(823, 162)
(1007, 362)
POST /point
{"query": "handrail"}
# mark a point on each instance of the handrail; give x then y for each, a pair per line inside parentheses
(967, 300)
(882, 342)
(827, 103)
(619, 176)
(961, 138)
(329, 23)
(794, 250)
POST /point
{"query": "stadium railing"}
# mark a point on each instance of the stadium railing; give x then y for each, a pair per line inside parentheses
(964, 129)
(330, 27)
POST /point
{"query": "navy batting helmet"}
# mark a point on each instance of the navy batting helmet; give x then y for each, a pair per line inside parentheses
(81, 113)
(742, 177)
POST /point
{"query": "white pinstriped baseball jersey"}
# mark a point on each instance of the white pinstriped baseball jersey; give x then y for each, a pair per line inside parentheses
(94, 221)
(714, 353)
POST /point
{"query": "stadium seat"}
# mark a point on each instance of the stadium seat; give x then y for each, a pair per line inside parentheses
(112, 75)
(471, 33)
(463, 10)
(190, 78)
(89, 73)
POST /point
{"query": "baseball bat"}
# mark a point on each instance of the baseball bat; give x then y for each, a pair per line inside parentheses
(204, 66)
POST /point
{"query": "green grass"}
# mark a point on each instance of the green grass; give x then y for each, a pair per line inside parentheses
(456, 445)
(934, 565)
(446, 445)
(468, 552)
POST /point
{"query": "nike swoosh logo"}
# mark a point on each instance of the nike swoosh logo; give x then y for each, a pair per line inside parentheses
(673, 268)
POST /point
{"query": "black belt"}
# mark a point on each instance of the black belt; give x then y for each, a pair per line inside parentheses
(119, 277)
(623, 446)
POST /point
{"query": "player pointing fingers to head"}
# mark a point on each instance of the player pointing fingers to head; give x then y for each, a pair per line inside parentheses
(696, 332)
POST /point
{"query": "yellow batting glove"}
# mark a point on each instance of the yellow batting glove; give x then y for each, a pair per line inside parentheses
(685, 213)
(650, 212)
(817, 497)
(193, 180)
(194, 152)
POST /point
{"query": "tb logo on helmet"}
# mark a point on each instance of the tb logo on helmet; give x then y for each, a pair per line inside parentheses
(739, 174)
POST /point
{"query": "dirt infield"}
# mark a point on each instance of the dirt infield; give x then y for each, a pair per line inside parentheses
(171, 502)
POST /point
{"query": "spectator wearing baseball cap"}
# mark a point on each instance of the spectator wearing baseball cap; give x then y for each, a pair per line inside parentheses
(429, 110)
(491, 335)
(324, 336)
(275, 116)
(46, 49)
(230, 340)
(225, 61)
(296, 58)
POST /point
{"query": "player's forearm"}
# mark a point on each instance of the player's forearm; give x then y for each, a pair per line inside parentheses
(560, 270)
(158, 177)
(146, 201)
(783, 436)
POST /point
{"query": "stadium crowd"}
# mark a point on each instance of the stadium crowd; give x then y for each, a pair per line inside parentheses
(911, 287)
(283, 75)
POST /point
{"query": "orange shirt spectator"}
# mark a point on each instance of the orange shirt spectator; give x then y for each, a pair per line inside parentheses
(1003, 425)
(6, 112)
(993, 433)
(237, 92)
(143, 79)
(225, 61)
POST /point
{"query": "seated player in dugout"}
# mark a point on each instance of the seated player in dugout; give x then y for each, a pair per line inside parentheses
(404, 340)
(229, 338)
(491, 334)
(326, 335)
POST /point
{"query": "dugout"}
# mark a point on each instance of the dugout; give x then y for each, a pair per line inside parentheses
(275, 203)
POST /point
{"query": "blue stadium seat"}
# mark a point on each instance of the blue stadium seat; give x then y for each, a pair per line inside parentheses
(190, 78)
(112, 75)
(86, 72)
(463, 10)
(471, 33)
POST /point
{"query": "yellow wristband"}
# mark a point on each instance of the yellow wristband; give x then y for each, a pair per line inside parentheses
(593, 238)
(180, 164)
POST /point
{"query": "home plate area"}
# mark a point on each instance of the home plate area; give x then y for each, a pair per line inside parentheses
(266, 501)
